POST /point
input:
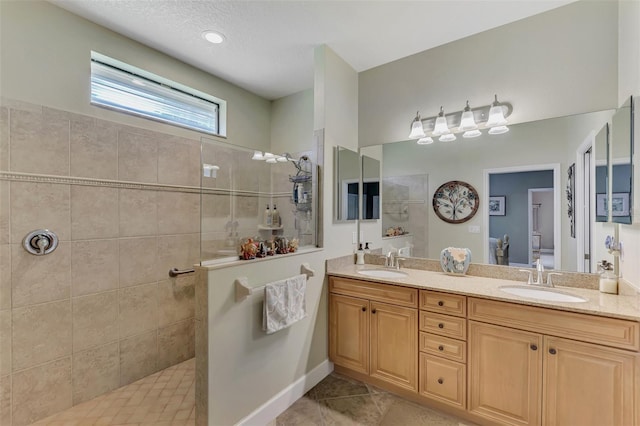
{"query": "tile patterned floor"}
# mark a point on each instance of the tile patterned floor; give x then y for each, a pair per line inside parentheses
(166, 398)
(339, 400)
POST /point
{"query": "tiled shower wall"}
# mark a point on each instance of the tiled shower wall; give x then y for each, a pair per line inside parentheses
(100, 311)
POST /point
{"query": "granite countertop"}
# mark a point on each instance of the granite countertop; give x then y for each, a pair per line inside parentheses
(609, 305)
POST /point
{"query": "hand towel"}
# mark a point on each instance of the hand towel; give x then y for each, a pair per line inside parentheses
(284, 303)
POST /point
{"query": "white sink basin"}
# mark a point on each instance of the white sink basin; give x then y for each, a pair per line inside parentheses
(541, 294)
(382, 273)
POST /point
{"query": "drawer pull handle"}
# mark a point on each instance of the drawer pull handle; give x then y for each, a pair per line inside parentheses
(373, 311)
(364, 309)
(440, 325)
(534, 347)
(441, 348)
(552, 351)
(440, 303)
(441, 381)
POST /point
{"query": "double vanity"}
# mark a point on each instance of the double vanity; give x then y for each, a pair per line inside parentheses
(493, 351)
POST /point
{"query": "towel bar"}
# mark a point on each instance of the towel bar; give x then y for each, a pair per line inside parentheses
(175, 272)
(242, 283)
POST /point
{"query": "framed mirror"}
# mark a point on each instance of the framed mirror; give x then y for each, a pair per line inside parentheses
(370, 188)
(346, 184)
(621, 164)
(601, 153)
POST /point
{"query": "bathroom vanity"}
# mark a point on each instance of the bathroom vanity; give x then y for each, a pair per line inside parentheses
(461, 344)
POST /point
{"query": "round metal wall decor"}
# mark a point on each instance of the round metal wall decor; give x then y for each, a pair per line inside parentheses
(455, 201)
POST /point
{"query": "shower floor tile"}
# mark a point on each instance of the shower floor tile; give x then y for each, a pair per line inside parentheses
(166, 398)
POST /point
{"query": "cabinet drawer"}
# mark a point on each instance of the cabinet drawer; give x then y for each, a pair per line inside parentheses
(455, 350)
(452, 304)
(444, 325)
(393, 294)
(588, 328)
(443, 380)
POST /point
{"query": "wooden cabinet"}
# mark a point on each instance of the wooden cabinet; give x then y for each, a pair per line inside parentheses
(520, 377)
(443, 335)
(371, 337)
(586, 384)
(505, 374)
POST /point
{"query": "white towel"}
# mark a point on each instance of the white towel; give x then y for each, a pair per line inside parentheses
(284, 303)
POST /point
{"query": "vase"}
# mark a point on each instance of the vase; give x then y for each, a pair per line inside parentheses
(455, 260)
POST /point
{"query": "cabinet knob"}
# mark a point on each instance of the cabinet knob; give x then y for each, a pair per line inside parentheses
(440, 325)
(441, 381)
(364, 309)
(441, 348)
(552, 351)
(373, 311)
(534, 347)
(440, 303)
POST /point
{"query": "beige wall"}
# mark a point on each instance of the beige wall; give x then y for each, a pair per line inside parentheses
(557, 63)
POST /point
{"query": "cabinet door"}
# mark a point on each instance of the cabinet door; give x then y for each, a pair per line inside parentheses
(349, 332)
(394, 345)
(505, 372)
(586, 384)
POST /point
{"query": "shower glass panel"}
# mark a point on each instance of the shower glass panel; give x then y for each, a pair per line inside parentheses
(236, 192)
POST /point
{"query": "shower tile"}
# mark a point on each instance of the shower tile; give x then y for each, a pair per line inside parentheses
(138, 213)
(95, 320)
(94, 148)
(39, 143)
(94, 212)
(221, 156)
(5, 343)
(138, 357)
(41, 391)
(138, 259)
(95, 372)
(247, 206)
(243, 175)
(40, 206)
(201, 295)
(176, 343)
(178, 213)
(138, 309)
(176, 299)
(5, 210)
(38, 279)
(216, 212)
(4, 138)
(5, 276)
(178, 161)
(5, 400)
(94, 266)
(177, 251)
(41, 333)
(137, 157)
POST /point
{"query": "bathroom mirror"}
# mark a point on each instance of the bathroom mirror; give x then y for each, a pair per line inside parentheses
(550, 142)
(601, 154)
(621, 164)
(370, 188)
(346, 184)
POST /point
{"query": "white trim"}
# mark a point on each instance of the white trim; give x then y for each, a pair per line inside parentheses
(285, 398)
(580, 215)
(557, 228)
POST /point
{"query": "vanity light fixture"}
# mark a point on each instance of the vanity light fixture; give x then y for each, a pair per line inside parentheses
(257, 155)
(470, 122)
(417, 131)
(271, 158)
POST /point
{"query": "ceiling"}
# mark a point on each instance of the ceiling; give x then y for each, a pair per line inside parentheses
(269, 44)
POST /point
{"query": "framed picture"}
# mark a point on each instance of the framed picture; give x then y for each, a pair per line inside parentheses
(620, 204)
(601, 205)
(497, 205)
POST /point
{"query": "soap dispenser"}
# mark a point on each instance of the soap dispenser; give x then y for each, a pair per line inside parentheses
(360, 255)
(608, 278)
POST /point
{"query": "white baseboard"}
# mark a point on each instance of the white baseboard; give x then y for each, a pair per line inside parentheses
(286, 397)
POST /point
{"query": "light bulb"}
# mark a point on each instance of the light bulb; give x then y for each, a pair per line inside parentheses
(417, 131)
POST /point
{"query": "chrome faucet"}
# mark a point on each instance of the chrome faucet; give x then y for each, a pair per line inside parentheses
(540, 272)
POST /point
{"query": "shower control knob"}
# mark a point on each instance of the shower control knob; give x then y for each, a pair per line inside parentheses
(40, 242)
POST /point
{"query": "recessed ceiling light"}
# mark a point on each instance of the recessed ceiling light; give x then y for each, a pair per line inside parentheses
(213, 37)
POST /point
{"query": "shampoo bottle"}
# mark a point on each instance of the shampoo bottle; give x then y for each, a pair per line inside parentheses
(275, 217)
(268, 217)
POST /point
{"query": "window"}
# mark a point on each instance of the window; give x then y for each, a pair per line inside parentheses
(121, 87)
